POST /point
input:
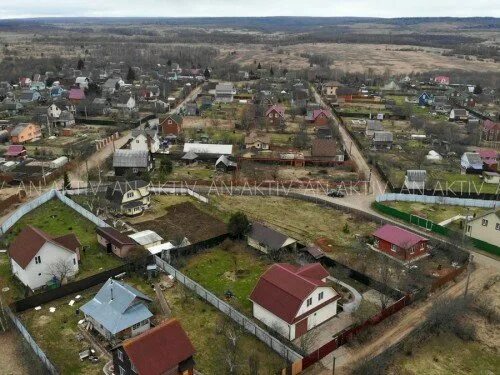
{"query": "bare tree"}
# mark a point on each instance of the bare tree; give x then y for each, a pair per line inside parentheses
(61, 269)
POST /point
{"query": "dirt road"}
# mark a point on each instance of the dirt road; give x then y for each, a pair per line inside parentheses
(377, 184)
(193, 94)
(408, 319)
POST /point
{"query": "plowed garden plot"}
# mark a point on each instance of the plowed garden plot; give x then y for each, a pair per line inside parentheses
(185, 220)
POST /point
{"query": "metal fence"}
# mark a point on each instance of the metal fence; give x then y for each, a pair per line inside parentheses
(178, 190)
(24, 209)
(434, 199)
(235, 315)
(31, 342)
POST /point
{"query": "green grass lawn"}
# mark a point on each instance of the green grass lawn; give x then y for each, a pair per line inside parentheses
(204, 325)
(55, 333)
(236, 269)
(446, 354)
(434, 212)
(57, 219)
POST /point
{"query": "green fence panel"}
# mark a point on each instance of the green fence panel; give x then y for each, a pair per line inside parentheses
(433, 227)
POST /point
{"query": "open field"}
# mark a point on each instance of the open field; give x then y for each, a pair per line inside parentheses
(57, 219)
(358, 57)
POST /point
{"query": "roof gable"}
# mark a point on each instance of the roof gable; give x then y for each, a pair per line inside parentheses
(159, 349)
(398, 236)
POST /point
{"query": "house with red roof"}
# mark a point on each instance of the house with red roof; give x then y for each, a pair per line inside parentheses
(399, 243)
(491, 131)
(319, 117)
(275, 115)
(37, 257)
(490, 159)
(164, 349)
(16, 152)
(76, 94)
(293, 300)
(442, 80)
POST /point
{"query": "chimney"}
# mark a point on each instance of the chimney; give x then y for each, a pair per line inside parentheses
(111, 289)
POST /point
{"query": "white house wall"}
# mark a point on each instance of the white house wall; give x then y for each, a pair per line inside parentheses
(37, 275)
(272, 321)
(328, 293)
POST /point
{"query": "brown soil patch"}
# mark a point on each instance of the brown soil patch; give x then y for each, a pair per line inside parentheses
(185, 220)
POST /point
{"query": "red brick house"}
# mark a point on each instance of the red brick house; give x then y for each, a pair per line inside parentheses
(319, 117)
(164, 349)
(171, 125)
(275, 115)
(399, 243)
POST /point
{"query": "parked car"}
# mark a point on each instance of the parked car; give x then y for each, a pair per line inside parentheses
(336, 194)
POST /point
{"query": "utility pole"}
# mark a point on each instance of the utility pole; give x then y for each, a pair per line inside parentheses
(471, 257)
(333, 365)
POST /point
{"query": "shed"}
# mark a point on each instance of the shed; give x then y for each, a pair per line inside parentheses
(59, 162)
(146, 238)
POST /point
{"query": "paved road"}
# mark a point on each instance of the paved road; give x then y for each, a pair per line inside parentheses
(377, 184)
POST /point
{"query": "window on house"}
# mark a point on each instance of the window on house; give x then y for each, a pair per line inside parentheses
(38, 260)
(136, 141)
(144, 322)
(497, 226)
(320, 296)
(120, 354)
(394, 248)
(137, 325)
(469, 228)
(375, 243)
(122, 370)
(309, 302)
(130, 195)
(74, 261)
(484, 223)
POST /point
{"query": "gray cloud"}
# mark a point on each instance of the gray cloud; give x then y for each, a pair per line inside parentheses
(207, 8)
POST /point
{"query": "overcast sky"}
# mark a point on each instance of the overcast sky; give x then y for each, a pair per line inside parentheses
(216, 8)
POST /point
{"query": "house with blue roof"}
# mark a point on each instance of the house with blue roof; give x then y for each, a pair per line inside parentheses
(118, 311)
(425, 100)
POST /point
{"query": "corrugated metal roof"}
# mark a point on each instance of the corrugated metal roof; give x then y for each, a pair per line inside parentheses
(115, 306)
(145, 237)
(208, 148)
(131, 158)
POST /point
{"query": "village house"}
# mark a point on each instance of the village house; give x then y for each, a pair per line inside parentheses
(145, 140)
(490, 159)
(76, 95)
(29, 96)
(485, 227)
(399, 243)
(118, 311)
(225, 92)
(391, 86)
(491, 177)
(319, 117)
(191, 109)
(275, 115)
(382, 140)
(112, 85)
(27, 132)
(459, 114)
(471, 163)
(293, 300)
(268, 240)
(82, 82)
(65, 120)
(37, 258)
(442, 80)
(258, 141)
(132, 162)
(223, 163)
(373, 126)
(114, 241)
(16, 152)
(208, 150)
(125, 102)
(415, 179)
(425, 100)
(129, 198)
(164, 349)
(491, 131)
(326, 149)
(330, 88)
(171, 125)
(56, 91)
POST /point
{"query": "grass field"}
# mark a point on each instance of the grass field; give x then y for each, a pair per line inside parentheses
(447, 354)
(234, 268)
(302, 220)
(57, 219)
(434, 212)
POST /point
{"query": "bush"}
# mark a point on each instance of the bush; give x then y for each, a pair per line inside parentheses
(238, 225)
